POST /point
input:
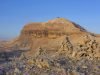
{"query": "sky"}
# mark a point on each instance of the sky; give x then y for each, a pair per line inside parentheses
(14, 14)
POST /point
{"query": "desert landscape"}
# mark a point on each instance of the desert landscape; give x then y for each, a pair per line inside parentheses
(56, 47)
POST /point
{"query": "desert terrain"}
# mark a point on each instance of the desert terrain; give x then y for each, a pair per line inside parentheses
(56, 47)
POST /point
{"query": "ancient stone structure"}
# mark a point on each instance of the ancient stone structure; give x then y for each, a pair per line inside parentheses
(53, 29)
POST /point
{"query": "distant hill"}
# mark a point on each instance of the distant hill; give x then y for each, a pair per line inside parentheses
(4, 38)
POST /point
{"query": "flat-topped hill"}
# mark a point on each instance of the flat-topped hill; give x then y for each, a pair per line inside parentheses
(52, 28)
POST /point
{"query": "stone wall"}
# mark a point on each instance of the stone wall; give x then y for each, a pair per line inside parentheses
(43, 33)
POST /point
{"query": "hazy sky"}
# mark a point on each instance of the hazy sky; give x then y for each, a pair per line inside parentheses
(14, 14)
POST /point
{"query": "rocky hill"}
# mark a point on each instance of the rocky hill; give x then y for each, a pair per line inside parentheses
(56, 47)
(36, 32)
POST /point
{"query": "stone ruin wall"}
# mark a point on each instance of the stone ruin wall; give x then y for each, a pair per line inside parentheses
(43, 33)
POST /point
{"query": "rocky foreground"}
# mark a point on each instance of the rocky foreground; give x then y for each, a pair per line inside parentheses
(56, 47)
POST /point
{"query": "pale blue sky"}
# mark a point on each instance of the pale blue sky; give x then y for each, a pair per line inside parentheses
(14, 14)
